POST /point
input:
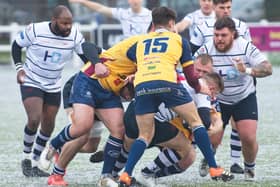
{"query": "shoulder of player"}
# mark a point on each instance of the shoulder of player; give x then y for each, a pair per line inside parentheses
(239, 23)
(242, 44)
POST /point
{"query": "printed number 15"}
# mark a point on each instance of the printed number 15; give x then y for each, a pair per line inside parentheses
(158, 45)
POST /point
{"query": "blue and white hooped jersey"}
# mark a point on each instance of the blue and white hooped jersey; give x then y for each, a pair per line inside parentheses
(197, 18)
(205, 32)
(132, 23)
(46, 54)
(237, 86)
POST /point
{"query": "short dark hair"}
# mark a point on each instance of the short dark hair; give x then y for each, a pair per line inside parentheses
(162, 15)
(215, 77)
(205, 58)
(58, 10)
(215, 2)
(226, 22)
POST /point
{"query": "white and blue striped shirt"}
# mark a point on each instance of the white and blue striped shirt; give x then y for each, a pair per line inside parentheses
(133, 23)
(46, 55)
(237, 86)
(197, 18)
(205, 32)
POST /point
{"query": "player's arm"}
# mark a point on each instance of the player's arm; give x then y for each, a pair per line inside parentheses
(182, 25)
(188, 67)
(102, 9)
(91, 52)
(16, 55)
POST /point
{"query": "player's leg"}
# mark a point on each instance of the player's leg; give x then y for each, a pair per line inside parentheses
(189, 113)
(83, 96)
(32, 99)
(246, 116)
(235, 150)
(112, 149)
(50, 109)
(68, 152)
(176, 156)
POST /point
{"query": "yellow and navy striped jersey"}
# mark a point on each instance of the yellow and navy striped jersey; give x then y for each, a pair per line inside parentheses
(118, 63)
(157, 55)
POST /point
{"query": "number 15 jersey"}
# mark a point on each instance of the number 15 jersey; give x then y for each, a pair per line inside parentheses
(157, 55)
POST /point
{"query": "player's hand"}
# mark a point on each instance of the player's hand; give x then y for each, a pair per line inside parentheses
(239, 65)
(129, 79)
(101, 70)
(20, 76)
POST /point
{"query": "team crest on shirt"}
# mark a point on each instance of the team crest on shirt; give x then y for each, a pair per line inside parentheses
(232, 74)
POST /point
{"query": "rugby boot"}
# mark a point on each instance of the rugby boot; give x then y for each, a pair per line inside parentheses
(220, 174)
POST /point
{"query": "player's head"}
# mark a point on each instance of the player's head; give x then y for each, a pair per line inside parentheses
(224, 34)
(203, 64)
(61, 22)
(206, 6)
(222, 8)
(164, 17)
(215, 82)
(127, 92)
(135, 5)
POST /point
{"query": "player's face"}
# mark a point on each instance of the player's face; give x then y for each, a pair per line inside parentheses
(223, 9)
(223, 39)
(62, 25)
(202, 69)
(135, 5)
(206, 6)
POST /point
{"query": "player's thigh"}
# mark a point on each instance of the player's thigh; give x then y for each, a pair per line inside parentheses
(189, 113)
(113, 120)
(179, 143)
(83, 116)
(51, 107)
(32, 99)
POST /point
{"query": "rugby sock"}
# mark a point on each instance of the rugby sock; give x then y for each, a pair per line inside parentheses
(58, 170)
(235, 147)
(63, 137)
(120, 163)
(166, 158)
(166, 161)
(28, 140)
(249, 166)
(135, 153)
(39, 145)
(202, 141)
(171, 170)
(111, 153)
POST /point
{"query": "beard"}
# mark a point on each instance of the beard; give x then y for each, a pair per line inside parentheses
(59, 32)
(223, 47)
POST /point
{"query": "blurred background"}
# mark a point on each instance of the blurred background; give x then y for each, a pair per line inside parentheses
(15, 14)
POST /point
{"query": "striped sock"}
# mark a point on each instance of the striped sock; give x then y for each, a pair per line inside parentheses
(28, 140)
(58, 170)
(39, 145)
(63, 137)
(120, 163)
(111, 153)
(235, 147)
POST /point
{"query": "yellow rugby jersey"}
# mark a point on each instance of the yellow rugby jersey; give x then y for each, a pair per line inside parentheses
(157, 55)
(118, 63)
(178, 123)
